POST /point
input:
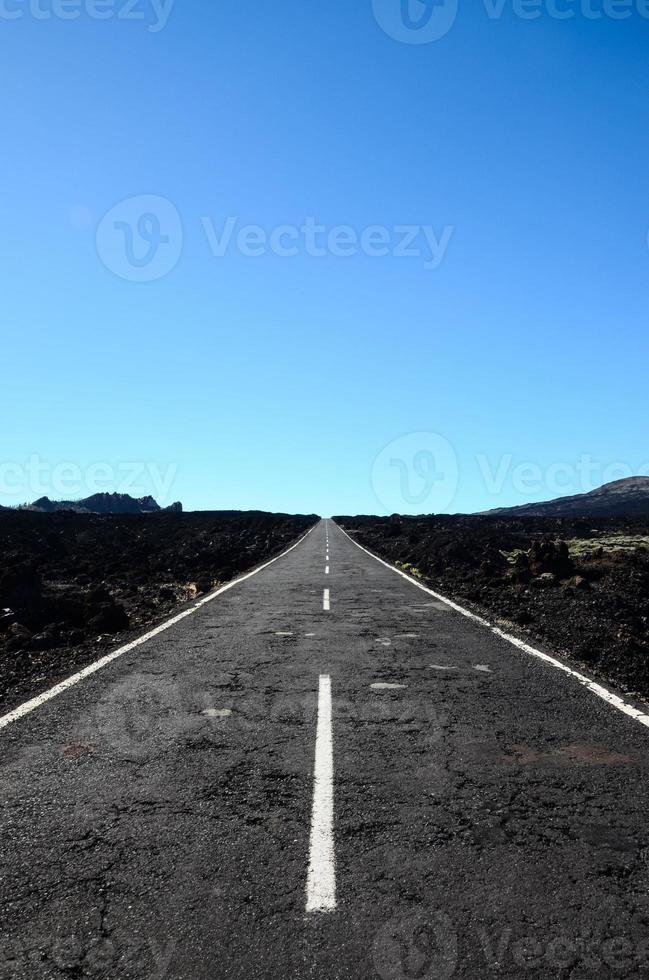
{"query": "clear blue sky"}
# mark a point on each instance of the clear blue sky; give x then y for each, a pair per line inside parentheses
(278, 382)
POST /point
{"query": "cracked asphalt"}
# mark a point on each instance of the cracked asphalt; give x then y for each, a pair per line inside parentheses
(490, 813)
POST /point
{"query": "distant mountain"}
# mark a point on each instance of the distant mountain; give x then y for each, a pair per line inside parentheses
(629, 497)
(103, 503)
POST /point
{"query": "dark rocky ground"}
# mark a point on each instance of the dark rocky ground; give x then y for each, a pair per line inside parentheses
(73, 586)
(579, 585)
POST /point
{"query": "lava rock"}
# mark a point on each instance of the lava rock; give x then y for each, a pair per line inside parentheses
(600, 613)
(111, 618)
(71, 577)
(545, 581)
(550, 556)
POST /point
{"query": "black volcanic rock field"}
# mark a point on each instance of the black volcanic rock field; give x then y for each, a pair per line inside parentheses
(74, 585)
(581, 586)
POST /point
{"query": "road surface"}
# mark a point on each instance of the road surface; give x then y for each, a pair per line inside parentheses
(324, 772)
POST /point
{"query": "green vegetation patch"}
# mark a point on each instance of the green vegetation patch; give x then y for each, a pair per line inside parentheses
(511, 556)
(409, 568)
(609, 544)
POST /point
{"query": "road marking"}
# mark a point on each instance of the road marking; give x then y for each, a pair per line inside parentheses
(601, 692)
(326, 569)
(383, 686)
(321, 881)
(217, 712)
(326, 602)
(28, 706)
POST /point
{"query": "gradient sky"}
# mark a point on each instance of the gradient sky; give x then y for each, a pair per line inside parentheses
(328, 383)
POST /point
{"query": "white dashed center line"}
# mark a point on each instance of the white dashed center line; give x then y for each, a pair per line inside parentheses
(321, 881)
(326, 569)
(326, 602)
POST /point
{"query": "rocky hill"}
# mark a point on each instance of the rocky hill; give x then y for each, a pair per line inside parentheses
(629, 497)
(103, 503)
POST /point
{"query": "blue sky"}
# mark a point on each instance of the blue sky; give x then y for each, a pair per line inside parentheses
(510, 366)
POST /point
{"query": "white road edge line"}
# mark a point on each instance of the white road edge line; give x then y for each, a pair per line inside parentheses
(326, 601)
(321, 880)
(601, 692)
(28, 706)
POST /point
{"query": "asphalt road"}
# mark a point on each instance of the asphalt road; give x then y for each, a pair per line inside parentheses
(485, 817)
